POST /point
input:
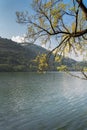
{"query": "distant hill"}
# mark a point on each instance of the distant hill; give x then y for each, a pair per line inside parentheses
(35, 48)
(14, 57)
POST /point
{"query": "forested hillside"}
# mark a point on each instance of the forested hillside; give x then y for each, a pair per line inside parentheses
(14, 57)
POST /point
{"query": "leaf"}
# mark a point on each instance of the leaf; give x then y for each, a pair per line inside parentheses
(72, 9)
(58, 59)
(73, 26)
(48, 4)
(62, 6)
(85, 69)
(41, 61)
(62, 68)
(41, 21)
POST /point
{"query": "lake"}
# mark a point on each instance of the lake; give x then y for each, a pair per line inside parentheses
(50, 101)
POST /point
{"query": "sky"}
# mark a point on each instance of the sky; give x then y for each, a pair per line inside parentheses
(9, 28)
(8, 25)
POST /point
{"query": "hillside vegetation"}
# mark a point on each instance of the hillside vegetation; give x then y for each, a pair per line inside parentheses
(14, 57)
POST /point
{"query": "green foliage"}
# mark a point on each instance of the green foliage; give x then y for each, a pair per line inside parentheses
(14, 57)
(19, 68)
(5, 68)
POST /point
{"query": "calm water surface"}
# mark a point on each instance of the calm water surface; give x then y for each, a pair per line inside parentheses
(51, 101)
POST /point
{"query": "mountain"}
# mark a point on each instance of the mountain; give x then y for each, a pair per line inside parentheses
(17, 57)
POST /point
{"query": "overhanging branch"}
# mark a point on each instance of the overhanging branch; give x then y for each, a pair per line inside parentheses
(83, 7)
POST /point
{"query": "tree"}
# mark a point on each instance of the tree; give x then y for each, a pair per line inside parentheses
(66, 22)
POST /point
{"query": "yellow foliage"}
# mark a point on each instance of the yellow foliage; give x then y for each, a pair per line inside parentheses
(56, 17)
(72, 9)
(55, 23)
(73, 26)
(85, 69)
(83, 16)
(41, 21)
(67, 49)
(41, 61)
(62, 6)
(31, 29)
(54, 11)
(48, 4)
(37, 1)
(62, 68)
(58, 59)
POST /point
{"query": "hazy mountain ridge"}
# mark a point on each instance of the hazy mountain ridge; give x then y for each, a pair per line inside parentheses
(14, 57)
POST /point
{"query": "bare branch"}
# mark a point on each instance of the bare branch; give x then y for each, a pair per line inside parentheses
(83, 7)
(76, 76)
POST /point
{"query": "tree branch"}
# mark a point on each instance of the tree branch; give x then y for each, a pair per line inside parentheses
(83, 7)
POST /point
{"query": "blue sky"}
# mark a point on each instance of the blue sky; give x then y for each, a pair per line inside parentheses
(9, 28)
(8, 25)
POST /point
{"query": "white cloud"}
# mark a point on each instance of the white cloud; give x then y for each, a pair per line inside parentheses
(78, 57)
(18, 39)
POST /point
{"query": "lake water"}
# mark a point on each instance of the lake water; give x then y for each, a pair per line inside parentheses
(51, 101)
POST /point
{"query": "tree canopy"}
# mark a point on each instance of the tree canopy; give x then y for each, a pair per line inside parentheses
(65, 21)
